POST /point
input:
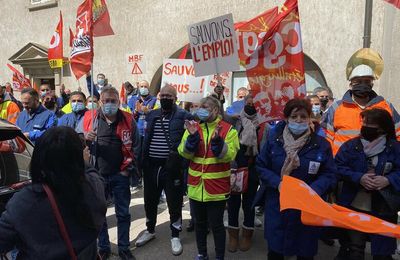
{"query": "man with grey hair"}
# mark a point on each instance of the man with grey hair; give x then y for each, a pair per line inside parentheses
(162, 165)
(325, 97)
(114, 147)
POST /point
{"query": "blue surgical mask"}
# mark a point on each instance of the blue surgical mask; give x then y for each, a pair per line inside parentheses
(144, 91)
(203, 114)
(316, 109)
(298, 128)
(100, 82)
(110, 109)
(77, 106)
(91, 105)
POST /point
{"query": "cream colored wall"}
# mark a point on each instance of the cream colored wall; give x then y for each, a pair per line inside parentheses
(331, 29)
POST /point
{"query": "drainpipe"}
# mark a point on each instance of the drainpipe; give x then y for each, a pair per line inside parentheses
(367, 23)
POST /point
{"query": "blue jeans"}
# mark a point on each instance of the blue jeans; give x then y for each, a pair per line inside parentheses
(117, 186)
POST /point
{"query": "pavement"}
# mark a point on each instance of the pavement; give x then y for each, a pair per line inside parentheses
(160, 247)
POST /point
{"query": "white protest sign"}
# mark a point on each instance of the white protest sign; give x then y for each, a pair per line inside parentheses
(180, 74)
(225, 79)
(136, 64)
(213, 46)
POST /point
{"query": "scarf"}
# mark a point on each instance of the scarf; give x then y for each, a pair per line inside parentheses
(374, 147)
(248, 135)
(292, 147)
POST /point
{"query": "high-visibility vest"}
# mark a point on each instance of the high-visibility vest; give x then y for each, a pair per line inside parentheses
(9, 111)
(346, 121)
(209, 178)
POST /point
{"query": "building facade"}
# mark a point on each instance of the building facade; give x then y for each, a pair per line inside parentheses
(332, 30)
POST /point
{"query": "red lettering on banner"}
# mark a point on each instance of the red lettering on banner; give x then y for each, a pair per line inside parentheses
(170, 69)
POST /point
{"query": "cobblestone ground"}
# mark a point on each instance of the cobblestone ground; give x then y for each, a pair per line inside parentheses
(160, 248)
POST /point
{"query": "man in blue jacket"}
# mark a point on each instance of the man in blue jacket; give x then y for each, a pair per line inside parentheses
(163, 134)
(78, 101)
(35, 119)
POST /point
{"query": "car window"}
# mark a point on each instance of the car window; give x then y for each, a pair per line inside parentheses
(15, 157)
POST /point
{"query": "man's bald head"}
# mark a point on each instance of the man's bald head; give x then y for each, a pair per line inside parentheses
(168, 89)
(144, 83)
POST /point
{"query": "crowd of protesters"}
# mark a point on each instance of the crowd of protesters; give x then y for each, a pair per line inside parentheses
(89, 150)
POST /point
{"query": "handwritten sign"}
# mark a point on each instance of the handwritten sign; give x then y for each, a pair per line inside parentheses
(180, 73)
(213, 46)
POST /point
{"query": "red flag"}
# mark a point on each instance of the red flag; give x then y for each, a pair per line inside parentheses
(122, 94)
(82, 47)
(183, 53)
(271, 50)
(396, 3)
(19, 80)
(55, 53)
(101, 19)
(71, 37)
(35, 87)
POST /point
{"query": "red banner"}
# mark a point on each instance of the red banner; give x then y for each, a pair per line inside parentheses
(82, 46)
(19, 80)
(101, 19)
(396, 3)
(71, 37)
(270, 49)
(295, 194)
(55, 53)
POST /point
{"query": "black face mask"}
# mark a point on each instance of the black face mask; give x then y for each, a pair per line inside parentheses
(49, 104)
(166, 103)
(324, 101)
(361, 90)
(370, 133)
(250, 110)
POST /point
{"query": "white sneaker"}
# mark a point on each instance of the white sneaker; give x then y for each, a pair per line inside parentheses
(144, 238)
(176, 246)
(257, 222)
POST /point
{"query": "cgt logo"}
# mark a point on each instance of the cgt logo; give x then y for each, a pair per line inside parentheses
(126, 136)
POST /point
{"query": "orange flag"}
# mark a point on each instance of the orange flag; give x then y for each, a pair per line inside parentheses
(55, 53)
(296, 194)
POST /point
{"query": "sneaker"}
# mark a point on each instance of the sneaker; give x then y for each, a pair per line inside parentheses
(104, 255)
(201, 257)
(257, 222)
(176, 246)
(226, 224)
(144, 238)
(126, 255)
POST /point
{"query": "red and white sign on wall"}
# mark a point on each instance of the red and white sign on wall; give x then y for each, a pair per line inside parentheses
(213, 46)
(136, 64)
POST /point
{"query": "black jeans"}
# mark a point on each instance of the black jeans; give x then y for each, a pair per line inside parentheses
(276, 256)
(210, 214)
(156, 179)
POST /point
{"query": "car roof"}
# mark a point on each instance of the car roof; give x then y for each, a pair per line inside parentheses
(9, 131)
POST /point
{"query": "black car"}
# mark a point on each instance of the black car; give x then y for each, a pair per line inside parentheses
(15, 156)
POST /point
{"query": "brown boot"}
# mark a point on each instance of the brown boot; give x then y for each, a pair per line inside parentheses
(233, 239)
(245, 242)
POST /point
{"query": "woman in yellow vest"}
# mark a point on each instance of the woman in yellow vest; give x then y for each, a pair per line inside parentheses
(210, 146)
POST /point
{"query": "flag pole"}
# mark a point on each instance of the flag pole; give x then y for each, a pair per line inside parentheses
(91, 94)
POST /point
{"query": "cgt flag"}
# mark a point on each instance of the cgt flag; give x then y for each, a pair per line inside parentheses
(82, 46)
(55, 53)
(295, 194)
(396, 3)
(101, 19)
(270, 49)
(19, 80)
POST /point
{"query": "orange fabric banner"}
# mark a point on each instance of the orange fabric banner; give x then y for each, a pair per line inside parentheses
(82, 46)
(101, 19)
(55, 53)
(295, 194)
(19, 80)
(270, 48)
(122, 94)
